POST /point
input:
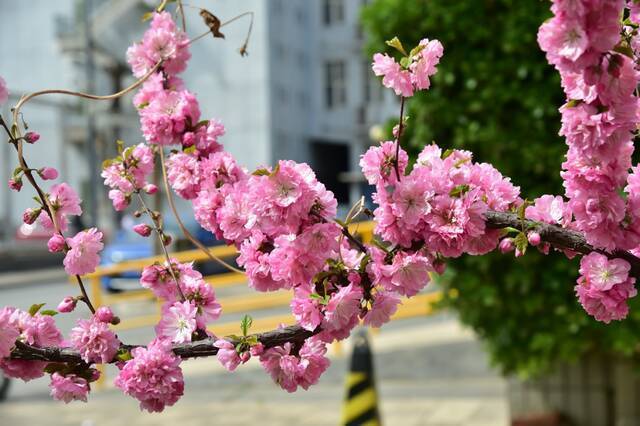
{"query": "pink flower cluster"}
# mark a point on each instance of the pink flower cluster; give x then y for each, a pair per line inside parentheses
(36, 330)
(291, 371)
(69, 388)
(415, 73)
(441, 202)
(598, 119)
(604, 287)
(94, 340)
(180, 319)
(82, 256)
(65, 202)
(153, 376)
(128, 173)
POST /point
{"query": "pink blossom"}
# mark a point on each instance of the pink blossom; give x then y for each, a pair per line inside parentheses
(254, 257)
(162, 41)
(65, 202)
(409, 273)
(4, 92)
(184, 175)
(68, 388)
(562, 38)
(178, 322)
(119, 199)
(378, 163)
(32, 137)
(291, 371)
(48, 173)
(384, 305)
(227, 354)
(94, 340)
(37, 330)
(202, 296)
(606, 305)
(343, 306)
(82, 258)
(602, 273)
(424, 65)
(534, 238)
(56, 243)
(393, 76)
(142, 229)
(306, 309)
(104, 314)
(153, 376)
(30, 215)
(168, 115)
(15, 184)
(506, 245)
(8, 333)
(68, 304)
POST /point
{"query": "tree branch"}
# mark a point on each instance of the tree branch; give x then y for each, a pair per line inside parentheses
(555, 235)
(200, 348)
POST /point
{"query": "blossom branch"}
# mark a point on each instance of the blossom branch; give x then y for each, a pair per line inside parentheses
(556, 236)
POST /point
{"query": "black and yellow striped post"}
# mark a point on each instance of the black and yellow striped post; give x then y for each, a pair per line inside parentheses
(361, 404)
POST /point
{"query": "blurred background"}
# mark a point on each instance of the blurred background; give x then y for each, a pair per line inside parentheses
(506, 342)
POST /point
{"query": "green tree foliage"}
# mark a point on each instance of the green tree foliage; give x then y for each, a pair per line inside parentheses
(495, 95)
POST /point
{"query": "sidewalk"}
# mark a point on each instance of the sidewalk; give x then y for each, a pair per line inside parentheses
(429, 371)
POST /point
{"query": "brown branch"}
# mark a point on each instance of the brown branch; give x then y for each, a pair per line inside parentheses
(201, 348)
(557, 236)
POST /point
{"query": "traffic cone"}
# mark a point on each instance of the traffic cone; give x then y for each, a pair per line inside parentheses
(361, 403)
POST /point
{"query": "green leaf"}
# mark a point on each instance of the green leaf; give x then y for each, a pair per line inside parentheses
(521, 242)
(397, 44)
(245, 324)
(416, 50)
(124, 355)
(405, 61)
(147, 16)
(143, 105)
(49, 312)
(624, 48)
(459, 190)
(17, 171)
(120, 146)
(447, 153)
(261, 172)
(35, 308)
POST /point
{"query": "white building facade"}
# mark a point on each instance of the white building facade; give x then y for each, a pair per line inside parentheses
(305, 91)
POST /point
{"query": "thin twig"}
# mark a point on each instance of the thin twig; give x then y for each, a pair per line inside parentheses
(400, 128)
(160, 234)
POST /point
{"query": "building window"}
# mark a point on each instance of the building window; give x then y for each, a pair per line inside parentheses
(371, 87)
(335, 84)
(329, 160)
(333, 11)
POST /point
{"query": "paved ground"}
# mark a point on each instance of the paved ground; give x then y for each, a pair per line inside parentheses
(429, 371)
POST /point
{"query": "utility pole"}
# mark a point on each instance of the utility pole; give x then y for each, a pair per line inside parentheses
(90, 144)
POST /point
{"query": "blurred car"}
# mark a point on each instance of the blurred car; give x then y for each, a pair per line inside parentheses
(127, 245)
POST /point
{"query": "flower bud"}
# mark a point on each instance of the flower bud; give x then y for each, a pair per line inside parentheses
(166, 239)
(506, 245)
(150, 189)
(67, 305)
(142, 229)
(31, 137)
(104, 314)
(30, 215)
(15, 184)
(245, 356)
(439, 266)
(519, 253)
(56, 243)
(48, 173)
(534, 238)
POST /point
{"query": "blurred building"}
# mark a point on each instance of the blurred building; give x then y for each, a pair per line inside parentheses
(305, 92)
